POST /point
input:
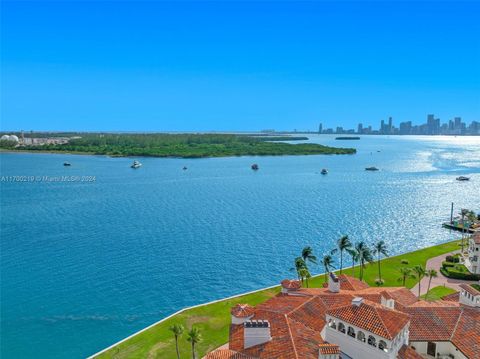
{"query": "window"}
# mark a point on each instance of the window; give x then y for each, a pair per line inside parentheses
(382, 345)
(341, 327)
(372, 341)
(351, 332)
(331, 324)
(361, 336)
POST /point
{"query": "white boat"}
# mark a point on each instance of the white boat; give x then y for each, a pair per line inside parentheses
(324, 171)
(136, 164)
(463, 178)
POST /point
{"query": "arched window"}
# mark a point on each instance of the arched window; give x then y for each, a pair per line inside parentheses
(331, 324)
(382, 345)
(351, 332)
(341, 327)
(361, 336)
(372, 341)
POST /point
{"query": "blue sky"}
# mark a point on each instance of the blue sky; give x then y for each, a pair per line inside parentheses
(199, 66)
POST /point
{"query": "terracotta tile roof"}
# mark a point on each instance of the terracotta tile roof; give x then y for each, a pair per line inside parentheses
(329, 349)
(466, 336)
(291, 284)
(242, 310)
(432, 323)
(454, 297)
(469, 289)
(349, 283)
(433, 304)
(373, 317)
(227, 354)
(406, 352)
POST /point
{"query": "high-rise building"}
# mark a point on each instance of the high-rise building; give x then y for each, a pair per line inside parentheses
(320, 128)
(360, 128)
(390, 126)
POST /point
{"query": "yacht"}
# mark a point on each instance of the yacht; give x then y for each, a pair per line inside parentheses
(371, 168)
(67, 164)
(136, 164)
(255, 167)
(324, 171)
(463, 178)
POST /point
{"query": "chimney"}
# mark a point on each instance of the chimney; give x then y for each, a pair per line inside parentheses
(333, 283)
(328, 351)
(357, 301)
(256, 332)
(289, 286)
(241, 313)
(388, 302)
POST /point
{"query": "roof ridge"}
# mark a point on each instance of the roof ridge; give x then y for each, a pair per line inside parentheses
(456, 324)
(301, 305)
(291, 337)
(383, 323)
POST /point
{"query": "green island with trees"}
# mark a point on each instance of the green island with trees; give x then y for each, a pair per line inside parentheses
(180, 145)
(195, 331)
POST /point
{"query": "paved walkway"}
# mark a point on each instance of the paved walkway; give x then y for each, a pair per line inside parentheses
(441, 280)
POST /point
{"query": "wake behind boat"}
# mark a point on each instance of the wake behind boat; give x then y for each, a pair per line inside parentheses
(136, 164)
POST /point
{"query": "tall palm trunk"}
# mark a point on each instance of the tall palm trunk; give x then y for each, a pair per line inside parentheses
(341, 261)
(419, 286)
(176, 346)
(428, 288)
(379, 270)
(353, 268)
(193, 350)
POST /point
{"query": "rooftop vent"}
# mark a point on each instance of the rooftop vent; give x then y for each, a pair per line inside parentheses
(357, 301)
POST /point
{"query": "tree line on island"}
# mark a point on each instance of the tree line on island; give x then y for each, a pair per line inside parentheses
(186, 145)
(360, 254)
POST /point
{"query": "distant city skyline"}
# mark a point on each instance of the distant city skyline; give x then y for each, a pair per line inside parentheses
(432, 126)
(235, 66)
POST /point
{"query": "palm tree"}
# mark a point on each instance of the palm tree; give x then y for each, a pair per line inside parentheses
(307, 255)
(380, 248)
(299, 265)
(194, 336)
(406, 272)
(354, 255)
(343, 244)
(304, 274)
(431, 273)
(177, 330)
(364, 255)
(420, 273)
(327, 262)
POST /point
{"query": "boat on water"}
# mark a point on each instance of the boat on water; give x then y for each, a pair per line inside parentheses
(324, 171)
(136, 164)
(373, 168)
(67, 164)
(463, 178)
(184, 168)
(255, 167)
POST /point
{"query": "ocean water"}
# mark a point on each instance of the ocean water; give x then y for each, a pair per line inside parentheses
(86, 263)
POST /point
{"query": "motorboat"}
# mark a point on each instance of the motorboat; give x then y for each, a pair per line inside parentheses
(463, 178)
(184, 168)
(67, 164)
(255, 167)
(136, 164)
(371, 168)
(324, 171)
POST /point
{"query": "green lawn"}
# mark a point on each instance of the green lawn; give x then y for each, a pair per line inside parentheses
(437, 293)
(214, 319)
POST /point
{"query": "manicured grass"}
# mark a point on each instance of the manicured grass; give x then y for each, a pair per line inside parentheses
(476, 286)
(437, 293)
(214, 319)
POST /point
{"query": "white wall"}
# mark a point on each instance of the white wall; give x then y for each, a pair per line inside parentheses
(443, 348)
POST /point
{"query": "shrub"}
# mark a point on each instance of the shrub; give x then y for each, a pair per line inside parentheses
(453, 259)
(458, 272)
(379, 282)
(446, 264)
(404, 261)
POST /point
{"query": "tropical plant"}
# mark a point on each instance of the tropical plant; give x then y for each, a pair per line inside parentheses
(431, 273)
(419, 274)
(380, 248)
(299, 265)
(177, 330)
(327, 262)
(405, 272)
(307, 255)
(194, 337)
(304, 274)
(343, 244)
(354, 255)
(364, 255)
